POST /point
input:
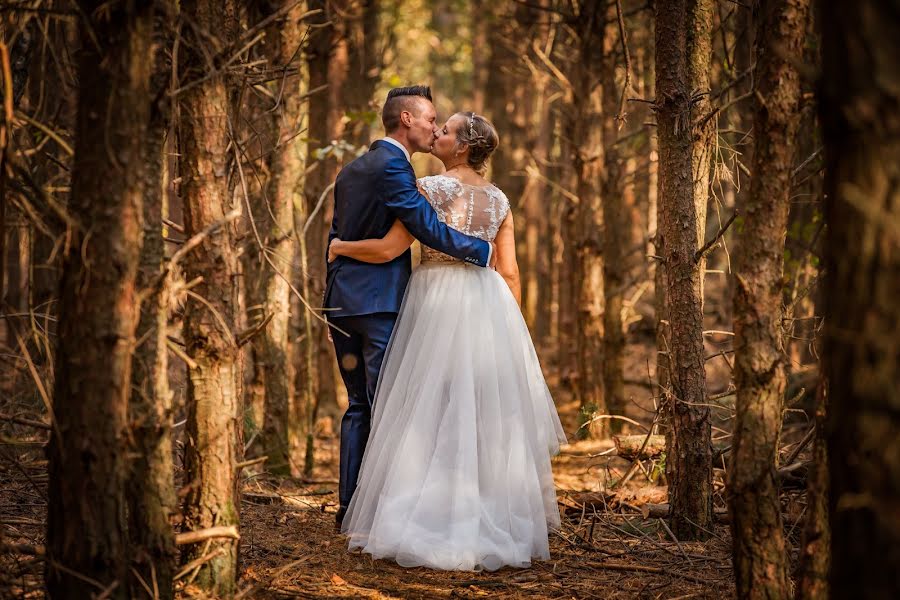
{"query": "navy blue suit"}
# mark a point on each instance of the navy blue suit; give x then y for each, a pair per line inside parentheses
(363, 299)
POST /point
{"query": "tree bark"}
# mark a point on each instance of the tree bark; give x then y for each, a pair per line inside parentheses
(740, 118)
(689, 454)
(534, 201)
(859, 109)
(507, 111)
(363, 71)
(272, 349)
(654, 245)
(759, 554)
(87, 537)
(583, 127)
(326, 56)
(812, 572)
(151, 491)
(616, 229)
(699, 59)
(214, 416)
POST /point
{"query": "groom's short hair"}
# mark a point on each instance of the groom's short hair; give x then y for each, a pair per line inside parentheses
(400, 99)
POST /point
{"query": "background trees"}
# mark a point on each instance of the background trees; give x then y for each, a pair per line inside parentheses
(862, 265)
(761, 565)
(682, 73)
(166, 188)
(87, 536)
(214, 444)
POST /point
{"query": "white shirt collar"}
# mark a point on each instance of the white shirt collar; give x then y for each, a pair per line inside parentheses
(391, 140)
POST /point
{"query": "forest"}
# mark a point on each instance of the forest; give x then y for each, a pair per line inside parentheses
(707, 222)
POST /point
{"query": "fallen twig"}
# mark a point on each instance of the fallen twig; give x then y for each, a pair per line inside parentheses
(27, 422)
(29, 549)
(192, 537)
(198, 562)
(646, 569)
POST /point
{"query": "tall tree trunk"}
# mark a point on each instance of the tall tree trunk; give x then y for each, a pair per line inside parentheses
(214, 416)
(363, 71)
(534, 201)
(699, 57)
(654, 243)
(812, 571)
(326, 56)
(688, 436)
(274, 220)
(740, 119)
(859, 108)
(151, 491)
(583, 127)
(507, 111)
(616, 229)
(481, 24)
(87, 537)
(759, 553)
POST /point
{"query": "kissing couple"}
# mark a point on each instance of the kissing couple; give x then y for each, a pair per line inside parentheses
(447, 439)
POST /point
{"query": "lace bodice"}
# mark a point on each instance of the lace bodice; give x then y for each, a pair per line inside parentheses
(476, 210)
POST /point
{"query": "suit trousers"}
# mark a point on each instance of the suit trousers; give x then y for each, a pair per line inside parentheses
(359, 355)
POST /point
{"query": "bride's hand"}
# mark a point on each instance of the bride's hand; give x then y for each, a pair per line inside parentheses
(332, 254)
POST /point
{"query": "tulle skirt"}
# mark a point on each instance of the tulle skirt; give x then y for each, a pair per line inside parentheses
(456, 474)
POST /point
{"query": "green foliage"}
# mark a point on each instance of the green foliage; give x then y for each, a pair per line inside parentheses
(369, 117)
(587, 412)
(429, 42)
(338, 149)
(659, 469)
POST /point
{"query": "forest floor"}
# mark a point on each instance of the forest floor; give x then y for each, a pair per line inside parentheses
(289, 549)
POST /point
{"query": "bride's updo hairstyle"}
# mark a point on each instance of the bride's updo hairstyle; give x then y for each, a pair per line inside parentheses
(479, 135)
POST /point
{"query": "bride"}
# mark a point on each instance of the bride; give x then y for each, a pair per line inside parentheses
(456, 473)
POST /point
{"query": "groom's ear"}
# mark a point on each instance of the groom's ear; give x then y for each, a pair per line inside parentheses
(406, 118)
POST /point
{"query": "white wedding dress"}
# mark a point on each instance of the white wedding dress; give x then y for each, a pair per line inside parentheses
(456, 473)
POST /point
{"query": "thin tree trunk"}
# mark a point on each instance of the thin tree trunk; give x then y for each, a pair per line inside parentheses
(291, 183)
(507, 111)
(616, 229)
(860, 83)
(699, 58)
(214, 417)
(87, 539)
(759, 553)
(272, 349)
(584, 129)
(689, 446)
(326, 56)
(534, 204)
(481, 24)
(740, 120)
(812, 572)
(151, 491)
(363, 70)
(654, 245)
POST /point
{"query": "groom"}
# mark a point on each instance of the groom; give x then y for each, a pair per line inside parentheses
(363, 299)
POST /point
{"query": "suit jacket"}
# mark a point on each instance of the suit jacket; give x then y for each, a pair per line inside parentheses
(370, 193)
